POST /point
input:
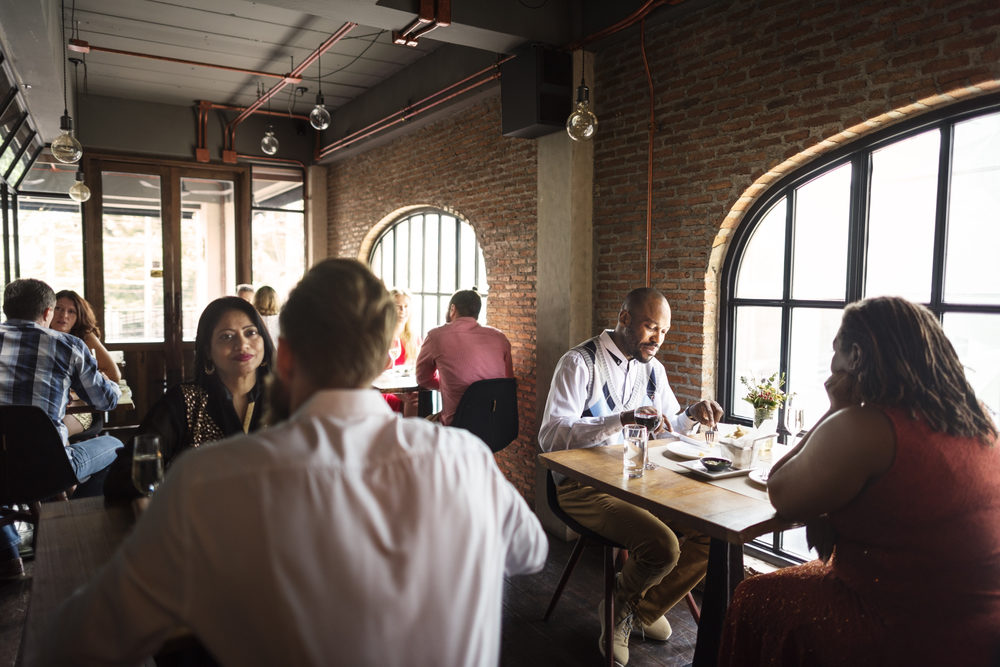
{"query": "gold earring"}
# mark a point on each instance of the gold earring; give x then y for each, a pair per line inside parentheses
(209, 367)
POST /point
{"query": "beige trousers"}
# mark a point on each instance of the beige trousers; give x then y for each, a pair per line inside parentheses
(660, 569)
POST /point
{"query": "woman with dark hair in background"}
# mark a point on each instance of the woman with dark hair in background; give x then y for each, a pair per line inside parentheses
(233, 355)
(899, 484)
(74, 315)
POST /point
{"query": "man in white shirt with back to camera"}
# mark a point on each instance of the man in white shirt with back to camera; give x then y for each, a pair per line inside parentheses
(344, 535)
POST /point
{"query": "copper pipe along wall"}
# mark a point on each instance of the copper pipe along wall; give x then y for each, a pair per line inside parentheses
(649, 174)
(90, 47)
(412, 110)
(309, 60)
(204, 107)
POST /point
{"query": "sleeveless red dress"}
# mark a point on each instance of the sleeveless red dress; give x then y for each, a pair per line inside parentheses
(914, 578)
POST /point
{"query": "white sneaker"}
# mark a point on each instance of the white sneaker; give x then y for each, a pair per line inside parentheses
(659, 630)
(619, 644)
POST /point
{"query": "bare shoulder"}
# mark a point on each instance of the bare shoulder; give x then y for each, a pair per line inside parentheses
(864, 429)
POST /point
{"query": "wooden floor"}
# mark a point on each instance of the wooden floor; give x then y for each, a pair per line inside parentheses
(568, 639)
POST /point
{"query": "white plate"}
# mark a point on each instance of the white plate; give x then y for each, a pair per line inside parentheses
(684, 450)
(697, 468)
(757, 477)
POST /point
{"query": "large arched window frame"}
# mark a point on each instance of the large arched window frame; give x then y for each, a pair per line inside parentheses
(911, 210)
(431, 253)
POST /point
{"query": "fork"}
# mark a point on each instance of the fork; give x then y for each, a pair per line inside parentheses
(710, 436)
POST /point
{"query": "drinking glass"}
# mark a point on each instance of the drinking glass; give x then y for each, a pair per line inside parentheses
(634, 458)
(147, 463)
(648, 416)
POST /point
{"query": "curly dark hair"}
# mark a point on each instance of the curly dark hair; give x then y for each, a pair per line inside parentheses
(907, 361)
(86, 320)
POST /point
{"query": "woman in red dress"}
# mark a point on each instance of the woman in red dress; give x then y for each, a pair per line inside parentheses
(403, 352)
(899, 484)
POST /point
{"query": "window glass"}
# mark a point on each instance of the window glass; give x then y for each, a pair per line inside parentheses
(822, 207)
(431, 254)
(811, 347)
(133, 258)
(278, 229)
(208, 246)
(49, 175)
(972, 272)
(50, 242)
(974, 337)
(762, 265)
(757, 350)
(901, 217)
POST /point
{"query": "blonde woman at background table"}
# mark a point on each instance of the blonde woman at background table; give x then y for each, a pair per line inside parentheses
(900, 481)
(409, 347)
(265, 300)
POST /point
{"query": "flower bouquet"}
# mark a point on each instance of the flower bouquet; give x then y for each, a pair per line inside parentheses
(764, 395)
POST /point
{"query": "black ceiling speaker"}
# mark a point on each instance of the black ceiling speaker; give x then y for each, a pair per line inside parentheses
(536, 91)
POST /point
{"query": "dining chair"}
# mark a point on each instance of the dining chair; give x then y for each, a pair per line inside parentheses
(611, 552)
(614, 555)
(488, 409)
(33, 463)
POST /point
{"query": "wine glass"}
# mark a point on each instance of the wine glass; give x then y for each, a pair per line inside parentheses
(147, 463)
(395, 350)
(648, 416)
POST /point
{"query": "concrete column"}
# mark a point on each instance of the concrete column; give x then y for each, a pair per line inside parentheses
(316, 244)
(565, 265)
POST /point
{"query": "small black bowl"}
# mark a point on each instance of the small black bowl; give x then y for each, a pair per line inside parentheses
(715, 464)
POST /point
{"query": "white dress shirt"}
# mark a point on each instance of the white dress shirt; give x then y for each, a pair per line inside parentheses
(573, 389)
(347, 535)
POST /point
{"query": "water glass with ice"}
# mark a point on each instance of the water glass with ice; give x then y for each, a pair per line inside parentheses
(147, 463)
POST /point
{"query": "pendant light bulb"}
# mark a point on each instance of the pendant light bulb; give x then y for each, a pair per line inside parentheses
(319, 117)
(66, 148)
(79, 192)
(269, 144)
(582, 123)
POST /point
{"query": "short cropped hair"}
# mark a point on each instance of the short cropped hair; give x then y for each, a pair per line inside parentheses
(27, 299)
(338, 322)
(467, 303)
(240, 289)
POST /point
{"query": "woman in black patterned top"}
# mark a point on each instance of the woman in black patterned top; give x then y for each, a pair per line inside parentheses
(233, 355)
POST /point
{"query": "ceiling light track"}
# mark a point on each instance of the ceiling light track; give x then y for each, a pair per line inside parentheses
(433, 14)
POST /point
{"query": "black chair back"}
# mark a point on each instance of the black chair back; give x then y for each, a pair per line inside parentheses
(33, 461)
(489, 410)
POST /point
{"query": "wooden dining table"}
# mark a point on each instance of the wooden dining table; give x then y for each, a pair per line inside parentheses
(718, 509)
(400, 380)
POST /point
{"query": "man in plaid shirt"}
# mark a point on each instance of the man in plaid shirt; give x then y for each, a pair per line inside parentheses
(39, 366)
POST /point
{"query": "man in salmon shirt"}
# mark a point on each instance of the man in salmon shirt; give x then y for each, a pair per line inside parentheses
(461, 352)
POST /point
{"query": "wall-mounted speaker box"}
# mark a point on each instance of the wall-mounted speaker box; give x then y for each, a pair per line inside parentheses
(536, 91)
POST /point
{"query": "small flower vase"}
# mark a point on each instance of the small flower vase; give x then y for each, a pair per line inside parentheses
(765, 421)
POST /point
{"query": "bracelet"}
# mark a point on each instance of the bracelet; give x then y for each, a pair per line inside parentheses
(687, 412)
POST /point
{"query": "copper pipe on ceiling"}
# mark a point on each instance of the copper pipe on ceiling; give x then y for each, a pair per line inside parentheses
(82, 46)
(414, 109)
(433, 14)
(201, 150)
(309, 60)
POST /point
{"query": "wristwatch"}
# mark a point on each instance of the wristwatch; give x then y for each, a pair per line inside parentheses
(687, 412)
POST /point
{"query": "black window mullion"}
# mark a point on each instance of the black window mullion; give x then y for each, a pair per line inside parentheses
(941, 218)
(858, 226)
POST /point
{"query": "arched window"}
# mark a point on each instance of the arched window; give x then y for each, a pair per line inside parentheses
(432, 254)
(911, 211)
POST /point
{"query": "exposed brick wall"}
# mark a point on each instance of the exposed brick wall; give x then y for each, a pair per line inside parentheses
(743, 92)
(463, 165)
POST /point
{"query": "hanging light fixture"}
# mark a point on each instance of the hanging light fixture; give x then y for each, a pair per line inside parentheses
(582, 123)
(319, 117)
(79, 192)
(65, 148)
(269, 142)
